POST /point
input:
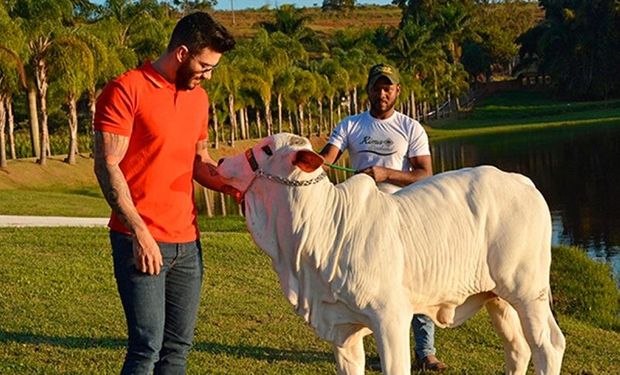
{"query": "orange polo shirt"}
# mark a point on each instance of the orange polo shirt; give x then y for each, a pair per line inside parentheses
(163, 125)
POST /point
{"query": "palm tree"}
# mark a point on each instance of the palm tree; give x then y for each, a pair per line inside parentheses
(283, 84)
(416, 54)
(9, 83)
(338, 79)
(217, 98)
(229, 76)
(72, 69)
(111, 58)
(14, 53)
(290, 52)
(41, 21)
(288, 20)
(304, 87)
(356, 63)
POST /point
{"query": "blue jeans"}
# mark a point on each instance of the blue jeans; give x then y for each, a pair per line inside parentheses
(423, 335)
(160, 309)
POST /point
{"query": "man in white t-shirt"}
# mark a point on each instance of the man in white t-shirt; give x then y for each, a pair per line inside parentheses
(393, 149)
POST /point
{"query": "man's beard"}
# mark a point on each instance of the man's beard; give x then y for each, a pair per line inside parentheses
(184, 76)
(376, 106)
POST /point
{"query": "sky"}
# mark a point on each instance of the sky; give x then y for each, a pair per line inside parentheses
(244, 4)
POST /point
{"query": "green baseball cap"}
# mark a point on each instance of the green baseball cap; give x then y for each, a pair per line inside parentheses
(383, 70)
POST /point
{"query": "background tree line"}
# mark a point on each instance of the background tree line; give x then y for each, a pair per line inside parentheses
(56, 55)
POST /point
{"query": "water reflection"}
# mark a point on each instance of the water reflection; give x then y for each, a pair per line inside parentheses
(577, 170)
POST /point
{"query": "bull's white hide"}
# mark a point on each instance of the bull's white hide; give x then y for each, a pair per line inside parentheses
(352, 259)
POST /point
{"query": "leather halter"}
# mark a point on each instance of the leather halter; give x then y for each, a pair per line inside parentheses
(249, 155)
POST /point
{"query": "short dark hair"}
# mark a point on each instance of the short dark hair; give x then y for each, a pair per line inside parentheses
(199, 30)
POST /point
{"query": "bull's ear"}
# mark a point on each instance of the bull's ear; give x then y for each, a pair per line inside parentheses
(307, 161)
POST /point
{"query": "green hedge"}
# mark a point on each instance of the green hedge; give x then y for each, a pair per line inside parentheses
(584, 288)
(59, 144)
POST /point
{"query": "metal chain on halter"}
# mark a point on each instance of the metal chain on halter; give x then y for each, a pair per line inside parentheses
(288, 182)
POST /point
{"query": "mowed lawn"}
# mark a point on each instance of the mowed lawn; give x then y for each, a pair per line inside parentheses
(60, 314)
(522, 111)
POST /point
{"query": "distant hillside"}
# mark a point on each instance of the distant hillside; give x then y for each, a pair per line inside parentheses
(326, 23)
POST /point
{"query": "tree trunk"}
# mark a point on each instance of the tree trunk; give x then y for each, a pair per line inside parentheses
(339, 112)
(42, 85)
(258, 124)
(320, 117)
(233, 119)
(355, 100)
(310, 125)
(223, 203)
(11, 121)
(216, 128)
(93, 93)
(331, 114)
(208, 207)
(2, 135)
(73, 128)
(34, 121)
(247, 122)
(300, 123)
(279, 113)
(92, 107)
(436, 95)
(268, 119)
(290, 122)
(244, 134)
(348, 103)
(414, 114)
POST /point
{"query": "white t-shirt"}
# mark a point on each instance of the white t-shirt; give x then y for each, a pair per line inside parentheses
(387, 143)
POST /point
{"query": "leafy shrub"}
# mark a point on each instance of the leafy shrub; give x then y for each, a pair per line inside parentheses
(59, 143)
(584, 288)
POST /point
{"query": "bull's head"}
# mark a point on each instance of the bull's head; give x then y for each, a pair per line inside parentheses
(283, 159)
(284, 156)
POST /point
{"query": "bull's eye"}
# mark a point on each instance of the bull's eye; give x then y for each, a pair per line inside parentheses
(267, 150)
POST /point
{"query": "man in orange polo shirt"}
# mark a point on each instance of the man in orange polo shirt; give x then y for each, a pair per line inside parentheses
(150, 143)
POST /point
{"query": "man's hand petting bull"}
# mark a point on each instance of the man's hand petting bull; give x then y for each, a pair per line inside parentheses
(380, 174)
(236, 194)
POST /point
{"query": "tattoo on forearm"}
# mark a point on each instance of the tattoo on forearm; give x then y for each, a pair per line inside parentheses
(109, 152)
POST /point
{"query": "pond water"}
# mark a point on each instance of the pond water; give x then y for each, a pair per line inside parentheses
(577, 170)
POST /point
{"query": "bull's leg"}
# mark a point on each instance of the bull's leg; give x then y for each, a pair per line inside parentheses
(543, 335)
(350, 355)
(392, 336)
(506, 323)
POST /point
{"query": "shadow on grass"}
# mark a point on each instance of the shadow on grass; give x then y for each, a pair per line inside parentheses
(262, 353)
(240, 351)
(69, 342)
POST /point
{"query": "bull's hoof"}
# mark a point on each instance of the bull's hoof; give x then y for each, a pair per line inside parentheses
(430, 363)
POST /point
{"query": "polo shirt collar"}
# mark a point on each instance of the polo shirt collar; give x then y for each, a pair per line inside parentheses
(155, 77)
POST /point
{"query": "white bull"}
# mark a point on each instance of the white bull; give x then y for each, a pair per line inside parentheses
(353, 260)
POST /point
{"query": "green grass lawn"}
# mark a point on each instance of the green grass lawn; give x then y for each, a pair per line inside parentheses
(524, 111)
(60, 314)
